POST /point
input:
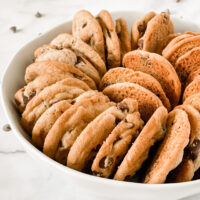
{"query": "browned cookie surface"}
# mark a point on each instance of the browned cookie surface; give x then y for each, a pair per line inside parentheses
(191, 159)
(152, 132)
(192, 88)
(123, 35)
(87, 28)
(71, 123)
(84, 148)
(148, 102)
(170, 153)
(120, 75)
(159, 68)
(65, 89)
(138, 29)
(117, 144)
(158, 28)
(47, 120)
(111, 39)
(65, 40)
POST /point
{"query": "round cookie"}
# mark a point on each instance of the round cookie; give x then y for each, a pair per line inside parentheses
(192, 76)
(159, 68)
(66, 40)
(152, 132)
(148, 102)
(53, 68)
(187, 63)
(71, 123)
(68, 88)
(191, 159)
(117, 144)
(123, 35)
(95, 133)
(46, 121)
(138, 29)
(170, 152)
(158, 28)
(193, 101)
(181, 48)
(192, 88)
(119, 75)
(166, 41)
(111, 39)
(87, 28)
(51, 53)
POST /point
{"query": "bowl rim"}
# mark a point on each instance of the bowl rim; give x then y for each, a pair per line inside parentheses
(37, 153)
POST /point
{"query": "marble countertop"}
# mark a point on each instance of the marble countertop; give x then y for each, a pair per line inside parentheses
(22, 177)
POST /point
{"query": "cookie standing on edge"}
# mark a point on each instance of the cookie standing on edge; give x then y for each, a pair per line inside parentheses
(123, 35)
(181, 48)
(159, 68)
(65, 40)
(148, 102)
(187, 64)
(193, 101)
(170, 152)
(51, 53)
(87, 28)
(153, 131)
(65, 89)
(95, 133)
(191, 158)
(192, 88)
(47, 120)
(138, 29)
(158, 28)
(120, 75)
(112, 46)
(71, 123)
(117, 143)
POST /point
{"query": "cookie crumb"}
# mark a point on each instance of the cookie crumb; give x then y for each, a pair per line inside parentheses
(6, 128)
(177, 1)
(13, 29)
(38, 15)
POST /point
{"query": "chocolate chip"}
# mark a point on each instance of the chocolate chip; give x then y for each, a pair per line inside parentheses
(123, 107)
(117, 139)
(38, 14)
(105, 162)
(99, 174)
(193, 151)
(25, 99)
(142, 28)
(13, 29)
(79, 59)
(140, 43)
(6, 128)
(77, 76)
(117, 120)
(73, 102)
(84, 25)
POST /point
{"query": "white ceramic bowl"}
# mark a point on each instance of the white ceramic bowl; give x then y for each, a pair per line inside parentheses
(100, 188)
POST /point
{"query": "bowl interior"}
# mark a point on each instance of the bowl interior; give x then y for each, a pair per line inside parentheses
(13, 79)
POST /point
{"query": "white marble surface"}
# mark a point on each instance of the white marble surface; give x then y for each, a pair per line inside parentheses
(21, 177)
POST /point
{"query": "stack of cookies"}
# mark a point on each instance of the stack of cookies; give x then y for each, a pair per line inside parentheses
(115, 106)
